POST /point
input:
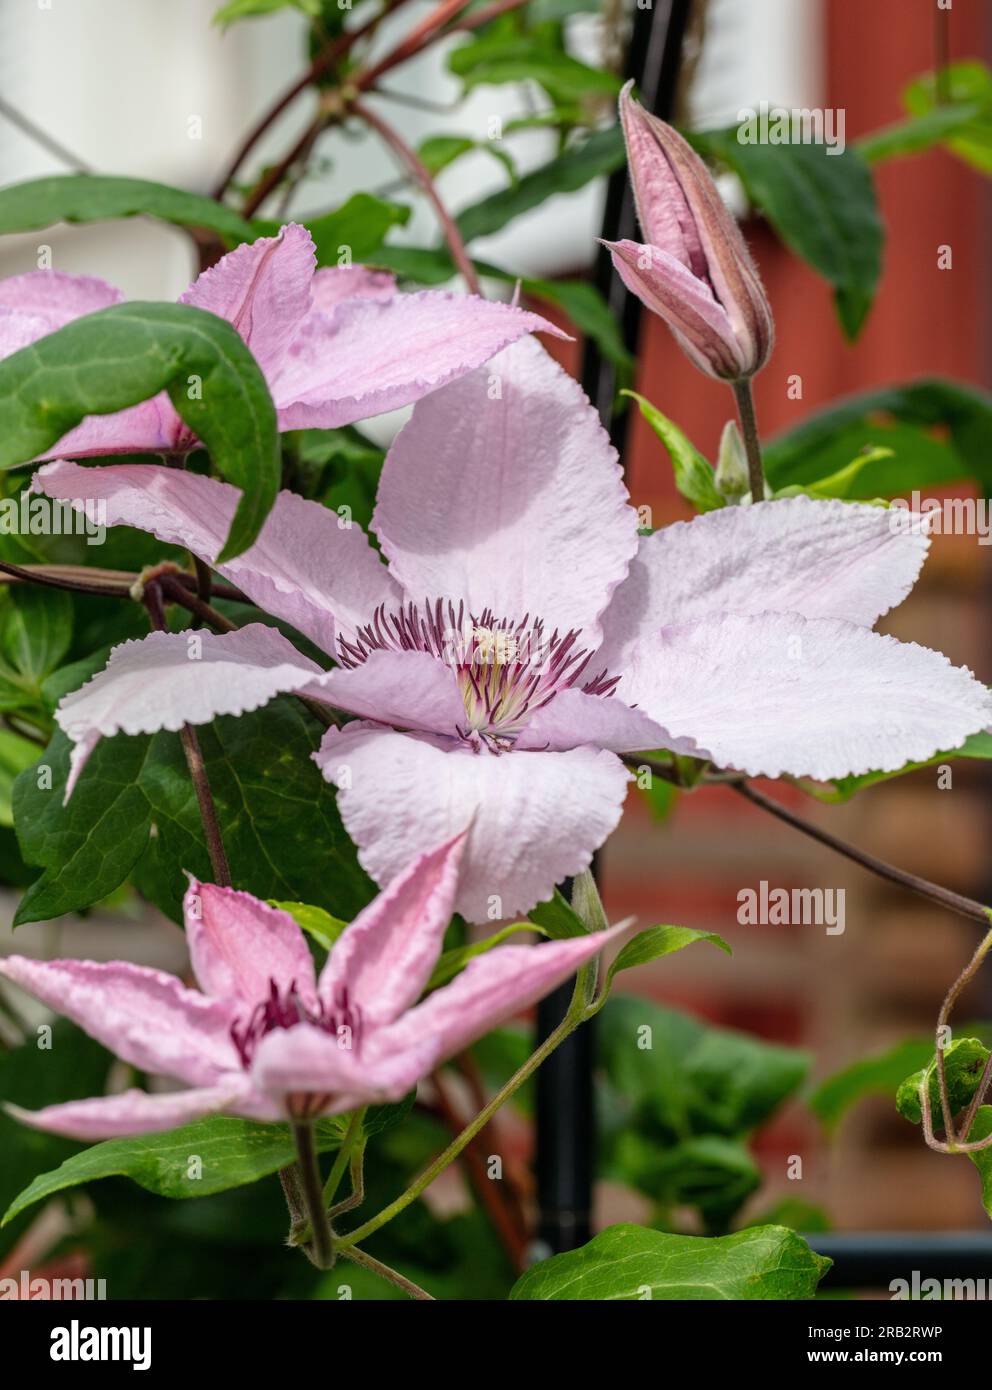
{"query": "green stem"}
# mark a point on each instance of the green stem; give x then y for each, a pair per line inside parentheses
(752, 441)
(577, 1013)
(351, 1134)
(320, 1247)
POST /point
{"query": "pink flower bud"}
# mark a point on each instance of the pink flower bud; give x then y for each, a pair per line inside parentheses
(694, 270)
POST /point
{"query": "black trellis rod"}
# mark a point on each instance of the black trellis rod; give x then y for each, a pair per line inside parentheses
(873, 1259)
(566, 1131)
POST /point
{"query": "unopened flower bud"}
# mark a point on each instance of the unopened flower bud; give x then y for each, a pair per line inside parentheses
(694, 269)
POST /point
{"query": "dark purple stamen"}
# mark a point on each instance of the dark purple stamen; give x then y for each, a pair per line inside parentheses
(286, 1011)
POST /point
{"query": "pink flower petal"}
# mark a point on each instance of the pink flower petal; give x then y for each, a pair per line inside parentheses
(332, 284)
(263, 289)
(687, 304)
(385, 958)
(169, 679)
(410, 690)
(493, 988)
(306, 1061)
(52, 299)
(535, 818)
(240, 946)
(132, 1112)
(511, 501)
(145, 1016)
(152, 427)
(778, 694)
(823, 559)
(573, 718)
(306, 567)
(369, 356)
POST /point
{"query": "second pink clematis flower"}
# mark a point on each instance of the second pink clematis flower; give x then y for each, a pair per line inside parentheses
(268, 1040)
(335, 345)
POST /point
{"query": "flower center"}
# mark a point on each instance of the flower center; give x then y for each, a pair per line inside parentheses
(506, 670)
(286, 1010)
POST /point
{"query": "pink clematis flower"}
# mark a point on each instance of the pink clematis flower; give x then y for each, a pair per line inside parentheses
(335, 346)
(268, 1040)
(694, 271)
(520, 637)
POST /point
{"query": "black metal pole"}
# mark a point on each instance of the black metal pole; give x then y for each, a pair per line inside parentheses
(566, 1129)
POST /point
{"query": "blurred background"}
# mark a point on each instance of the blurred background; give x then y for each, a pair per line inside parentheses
(156, 90)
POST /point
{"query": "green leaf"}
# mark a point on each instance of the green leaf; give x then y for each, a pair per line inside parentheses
(37, 631)
(231, 1152)
(919, 133)
(868, 1076)
(967, 83)
(630, 1263)
(453, 962)
(964, 1062)
(16, 753)
(498, 59)
(710, 1173)
(677, 1077)
(317, 923)
(982, 1160)
(72, 1068)
(655, 942)
(693, 474)
(250, 9)
(937, 430)
(600, 153)
(272, 805)
(823, 206)
(438, 151)
(88, 848)
(24, 207)
(843, 788)
(557, 918)
(128, 353)
(358, 228)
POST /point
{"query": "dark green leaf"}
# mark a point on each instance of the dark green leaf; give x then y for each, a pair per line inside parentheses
(631, 1263)
(272, 804)
(351, 232)
(497, 59)
(599, 154)
(823, 206)
(37, 631)
(880, 1075)
(33, 1076)
(230, 1153)
(982, 1160)
(126, 354)
(16, 754)
(964, 1062)
(678, 1077)
(919, 133)
(938, 432)
(24, 207)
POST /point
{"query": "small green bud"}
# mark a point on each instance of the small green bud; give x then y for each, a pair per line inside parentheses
(731, 476)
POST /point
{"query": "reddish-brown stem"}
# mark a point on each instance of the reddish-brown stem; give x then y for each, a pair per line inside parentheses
(152, 600)
(324, 62)
(418, 38)
(419, 170)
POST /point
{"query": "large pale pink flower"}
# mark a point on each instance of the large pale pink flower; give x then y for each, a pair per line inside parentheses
(335, 346)
(520, 636)
(269, 1040)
